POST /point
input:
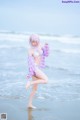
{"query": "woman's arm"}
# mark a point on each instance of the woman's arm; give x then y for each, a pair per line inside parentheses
(45, 49)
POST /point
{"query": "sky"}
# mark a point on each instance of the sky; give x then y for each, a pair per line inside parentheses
(40, 16)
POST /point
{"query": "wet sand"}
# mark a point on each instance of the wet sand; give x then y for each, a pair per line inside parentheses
(16, 109)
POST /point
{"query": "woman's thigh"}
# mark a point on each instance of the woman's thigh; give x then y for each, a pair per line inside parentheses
(40, 74)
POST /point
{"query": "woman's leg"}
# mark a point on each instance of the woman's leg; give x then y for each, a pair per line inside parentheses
(34, 89)
(41, 78)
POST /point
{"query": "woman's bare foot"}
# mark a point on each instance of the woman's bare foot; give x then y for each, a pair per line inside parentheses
(31, 106)
(28, 84)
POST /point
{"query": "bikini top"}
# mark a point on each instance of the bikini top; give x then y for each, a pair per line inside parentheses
(37, 52)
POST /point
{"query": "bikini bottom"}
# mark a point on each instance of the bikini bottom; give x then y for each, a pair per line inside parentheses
(38, 69)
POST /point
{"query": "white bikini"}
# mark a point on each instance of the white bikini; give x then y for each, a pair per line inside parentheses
(36, 54)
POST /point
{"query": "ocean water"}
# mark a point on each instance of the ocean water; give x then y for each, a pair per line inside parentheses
(62, 68)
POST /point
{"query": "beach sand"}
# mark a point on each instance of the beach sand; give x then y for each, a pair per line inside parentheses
(46, 110)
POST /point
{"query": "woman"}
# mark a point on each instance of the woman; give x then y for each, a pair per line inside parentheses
(36, 62)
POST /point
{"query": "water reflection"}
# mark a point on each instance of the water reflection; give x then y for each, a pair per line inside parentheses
(30, 116)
